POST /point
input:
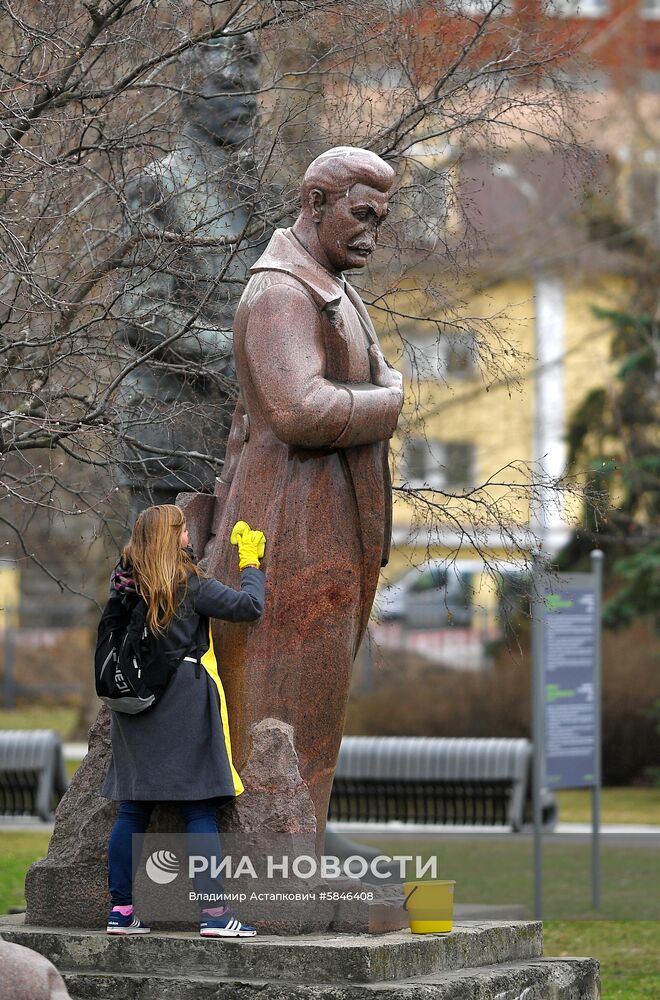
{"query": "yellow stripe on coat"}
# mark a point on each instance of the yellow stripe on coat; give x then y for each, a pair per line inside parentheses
(210, 665)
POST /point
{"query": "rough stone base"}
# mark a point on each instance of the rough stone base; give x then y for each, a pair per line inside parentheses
(545, 979)
(477, 961)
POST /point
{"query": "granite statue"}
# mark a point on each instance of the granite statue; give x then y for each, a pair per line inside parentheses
(307, 459)
(189, 209)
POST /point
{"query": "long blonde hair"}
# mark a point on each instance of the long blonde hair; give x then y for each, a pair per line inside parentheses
(161, 567)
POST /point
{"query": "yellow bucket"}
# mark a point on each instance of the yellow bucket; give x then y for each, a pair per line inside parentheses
(430, 906)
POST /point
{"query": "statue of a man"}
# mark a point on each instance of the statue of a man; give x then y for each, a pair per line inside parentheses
(188, 209)
(307, 462)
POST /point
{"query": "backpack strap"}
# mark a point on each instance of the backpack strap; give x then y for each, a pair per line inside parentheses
(200, 642)
(201, 639)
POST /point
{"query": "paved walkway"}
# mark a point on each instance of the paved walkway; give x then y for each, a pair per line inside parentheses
(613, 834)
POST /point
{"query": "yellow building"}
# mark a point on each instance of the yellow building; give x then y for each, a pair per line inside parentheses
(489, 396)
(461, 432)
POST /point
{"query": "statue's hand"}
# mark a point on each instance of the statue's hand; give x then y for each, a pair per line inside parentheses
(381, 373)
(251, 544)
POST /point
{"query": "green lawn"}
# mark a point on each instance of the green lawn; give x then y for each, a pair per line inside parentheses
(628, 952)
(618, 805)
(17, 852)
(61, 718)
(501, 872)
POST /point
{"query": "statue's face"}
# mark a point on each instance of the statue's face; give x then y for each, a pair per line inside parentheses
(220, 105)
(347, 226)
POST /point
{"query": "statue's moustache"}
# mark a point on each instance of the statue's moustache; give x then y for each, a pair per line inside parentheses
(368, 247)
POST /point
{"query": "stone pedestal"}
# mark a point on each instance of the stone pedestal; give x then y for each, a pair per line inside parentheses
(69, 888)
(487, 959)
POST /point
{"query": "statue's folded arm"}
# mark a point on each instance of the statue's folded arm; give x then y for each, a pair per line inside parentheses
(374, 414)
(285, 353)
(286, 359)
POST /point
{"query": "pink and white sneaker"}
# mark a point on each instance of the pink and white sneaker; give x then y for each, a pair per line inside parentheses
(129, 924)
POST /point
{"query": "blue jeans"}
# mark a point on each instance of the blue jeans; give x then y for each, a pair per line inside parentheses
(124, 852)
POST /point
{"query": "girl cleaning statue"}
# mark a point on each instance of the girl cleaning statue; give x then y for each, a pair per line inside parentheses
(179, 750)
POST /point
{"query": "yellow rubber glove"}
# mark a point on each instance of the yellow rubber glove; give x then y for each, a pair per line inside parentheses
(251, 544)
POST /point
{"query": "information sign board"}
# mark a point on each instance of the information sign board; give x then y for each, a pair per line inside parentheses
(570, 654)
(566, 681)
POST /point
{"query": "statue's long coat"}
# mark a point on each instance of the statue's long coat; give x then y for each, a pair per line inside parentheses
(307, 463)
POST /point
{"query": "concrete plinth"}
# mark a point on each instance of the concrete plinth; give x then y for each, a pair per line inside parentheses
(489, 960)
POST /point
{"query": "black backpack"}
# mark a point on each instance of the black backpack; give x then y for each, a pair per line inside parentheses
(130, 670)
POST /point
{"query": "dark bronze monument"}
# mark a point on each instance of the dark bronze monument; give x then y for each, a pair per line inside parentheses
(189, 209)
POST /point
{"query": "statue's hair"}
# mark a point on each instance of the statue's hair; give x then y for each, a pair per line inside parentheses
(338, 169)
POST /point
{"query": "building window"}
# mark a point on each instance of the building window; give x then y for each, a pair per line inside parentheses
(644, 187)
(578, 8)
(449, 356)
(423, 462)
(445, 465)
(460, 355)
(398, 6)
(426, 359)
(459, 463)
(650, 10)
(424, 200)
(475, 8)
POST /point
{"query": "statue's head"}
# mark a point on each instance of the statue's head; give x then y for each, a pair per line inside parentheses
(219, 79)
(345, 197)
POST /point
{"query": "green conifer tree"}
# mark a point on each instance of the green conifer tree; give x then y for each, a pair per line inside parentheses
(613, 437)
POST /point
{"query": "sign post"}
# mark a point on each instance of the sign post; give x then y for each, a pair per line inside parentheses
(537, 741)
(597, 572)
(566, 693)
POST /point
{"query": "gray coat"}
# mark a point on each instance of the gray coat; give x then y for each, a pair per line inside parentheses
(181, 748)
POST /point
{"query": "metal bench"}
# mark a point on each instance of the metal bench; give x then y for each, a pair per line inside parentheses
(434, 781)
(33, 775)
